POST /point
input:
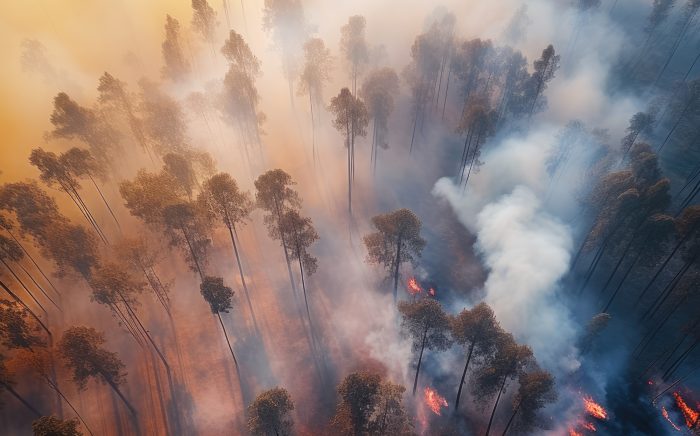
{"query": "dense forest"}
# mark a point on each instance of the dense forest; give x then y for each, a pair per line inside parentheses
(305, 217)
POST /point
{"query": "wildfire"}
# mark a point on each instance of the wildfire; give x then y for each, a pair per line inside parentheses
(434, 401)
(594, 409)
(573, 432)
(691, 416)
(413, 287)
(664, 413)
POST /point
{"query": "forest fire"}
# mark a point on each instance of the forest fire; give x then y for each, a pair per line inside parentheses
(689, 414)
(589, 426)
(573, 432)
(434, 400)
(413, 287)
(664, 413)
(594, 409)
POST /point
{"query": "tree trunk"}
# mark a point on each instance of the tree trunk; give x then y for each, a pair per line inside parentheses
(31, 312)
(679, 361)
(396, 268)
(116, 390)
(303, 286)
(104, 200)
(420, 359)
(675, 125)
(194, 256)
(23, 285)
(39, 287)
(240, 271)
(493, 412)
(676, 44)
(29, 256)
(622, 281)
(227, 340)
(20, 399)
(464, 374)
(668, 290)
(58, 391)
(663, 265)
(512, 417)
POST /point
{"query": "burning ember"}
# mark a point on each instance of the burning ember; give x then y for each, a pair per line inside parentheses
(413, 287)
(434, 401)
(664, 413)
(573, 432)
(594, 409)
(691, 416)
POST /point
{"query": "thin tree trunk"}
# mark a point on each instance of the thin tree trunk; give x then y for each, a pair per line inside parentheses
(116, 390)
(493, 412)
(194, 256)
(227, 340)
(663, 265)
(622, 281)
(240, 271)
(396, 268)
(23, 285)
(668, 290)
(464, 374)
(303, 286)
(29, 256)
(58, 391)
(38, 286)
(20, 399)
(512, 417)
(31, 312)
(675, 125)
(420, 359)
(104, 200)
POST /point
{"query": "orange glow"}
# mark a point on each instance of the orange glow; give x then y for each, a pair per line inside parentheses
(434, 401)
(573, 432)
(664, 413)
(589, 426)
(690, 415)
(594, 409)
(413, 287)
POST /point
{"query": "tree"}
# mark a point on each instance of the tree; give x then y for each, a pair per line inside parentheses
(378, 91)
(351, 119)
(82, 351)
(268, 414)
(53, 426)
(357, 393)
(478, 331)
(204, 20)
(274, 194)
(15, 330)
(163, 120)
(35, 211)
(221, 197)
(428, 325)
(239, 102)
(187, 230)
(299, 233)
(397, 240)
(478, 123)
(354, 47)
(219, 298)
(536, 390)
(181, 170)
(316, 71)
(284, 19)
(389, 415)
(176, 66)
(143, 258)
(238, 53)
(508, 363)
(72, 247)
(640, 124)
(685, 108)
(73, 121)
(55, 172)
(544, 70)
(148, 194)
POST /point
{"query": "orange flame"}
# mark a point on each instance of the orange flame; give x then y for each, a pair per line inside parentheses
(434, 401)
(594, 409)
(413, 287)
(690, 415)
(589, 426)
(664, 413)
(573, 432)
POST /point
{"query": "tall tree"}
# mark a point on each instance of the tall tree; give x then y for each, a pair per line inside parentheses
(176, 66)
(478, 123)
(81, 347)
(204, 20)
(354, 47)
(163, 120)
(148, 194)
(640, 124)
(357, 394)
(316, 72)
(477, 331)
(378, 91)
(299, 233)
(182, 171)
(508, 363)
(351, 119)
(143, 257)
(268, 414)
(275, 195)
(536, 390)
(544, 70)
(221, 197)
(429, 327)
(396, 241)
(16, 331)
(219, 298)
(186, 229)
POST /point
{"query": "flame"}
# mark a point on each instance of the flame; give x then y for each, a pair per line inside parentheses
(434, 401)
(594, 409)
(573, 432)
(413, 287)
(664, 413)
(589, 426)
(690, 415)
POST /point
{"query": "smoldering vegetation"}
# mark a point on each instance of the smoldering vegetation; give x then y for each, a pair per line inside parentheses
(364, 218)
